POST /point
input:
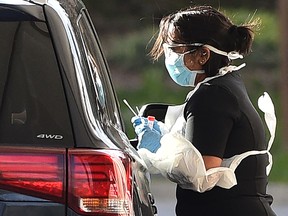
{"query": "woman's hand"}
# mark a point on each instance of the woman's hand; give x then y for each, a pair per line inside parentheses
(148, 138)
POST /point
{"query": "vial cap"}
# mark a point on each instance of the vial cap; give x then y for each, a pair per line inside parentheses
(151, 118)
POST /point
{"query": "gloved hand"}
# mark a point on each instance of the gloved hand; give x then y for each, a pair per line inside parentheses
(137, 120)
(148, 138)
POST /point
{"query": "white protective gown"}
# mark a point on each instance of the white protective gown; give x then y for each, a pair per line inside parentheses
(178, 160)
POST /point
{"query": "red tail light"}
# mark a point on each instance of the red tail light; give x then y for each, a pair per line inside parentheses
(38, 172)
(100, 183)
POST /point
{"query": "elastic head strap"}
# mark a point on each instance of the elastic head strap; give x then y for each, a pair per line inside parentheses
(231, 55)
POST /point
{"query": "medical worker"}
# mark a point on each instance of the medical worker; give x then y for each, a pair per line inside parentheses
(217, 154)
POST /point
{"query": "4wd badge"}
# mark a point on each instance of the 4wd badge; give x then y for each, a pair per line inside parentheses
(50, 136)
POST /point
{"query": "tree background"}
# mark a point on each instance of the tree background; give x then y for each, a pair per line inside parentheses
(127, 29)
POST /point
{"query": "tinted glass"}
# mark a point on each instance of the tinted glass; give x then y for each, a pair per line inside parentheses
(32, 101)
(102, 100)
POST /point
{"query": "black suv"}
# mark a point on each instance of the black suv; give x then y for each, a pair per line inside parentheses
(62, 146)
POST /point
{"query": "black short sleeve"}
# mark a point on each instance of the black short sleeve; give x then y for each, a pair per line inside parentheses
(210, 114)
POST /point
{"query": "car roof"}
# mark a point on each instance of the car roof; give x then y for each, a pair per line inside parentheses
(70, 7)
(40, 2)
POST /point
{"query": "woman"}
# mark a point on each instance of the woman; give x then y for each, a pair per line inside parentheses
(199, 44)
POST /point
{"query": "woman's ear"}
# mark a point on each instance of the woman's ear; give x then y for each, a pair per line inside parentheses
(204, 55)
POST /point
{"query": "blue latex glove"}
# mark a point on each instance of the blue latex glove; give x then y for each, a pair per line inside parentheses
(137, 120)
(148, 138)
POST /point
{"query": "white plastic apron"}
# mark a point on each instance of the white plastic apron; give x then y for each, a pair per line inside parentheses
(178, 160)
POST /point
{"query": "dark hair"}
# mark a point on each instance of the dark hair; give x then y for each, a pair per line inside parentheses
(206, 25)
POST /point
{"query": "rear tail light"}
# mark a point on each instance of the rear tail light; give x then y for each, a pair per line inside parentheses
(100, 183)
(34, 172)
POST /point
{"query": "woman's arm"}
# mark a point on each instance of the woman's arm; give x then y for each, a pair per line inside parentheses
(211, 161)
(210, 114)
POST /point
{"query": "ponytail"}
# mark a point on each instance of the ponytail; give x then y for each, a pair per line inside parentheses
(242, 36)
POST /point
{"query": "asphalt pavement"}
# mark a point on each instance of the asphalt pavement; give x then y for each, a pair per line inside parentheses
(164, 193)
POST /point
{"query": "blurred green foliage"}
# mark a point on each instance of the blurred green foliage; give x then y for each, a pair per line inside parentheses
(126, 32)
(117, 16)
(279, 169)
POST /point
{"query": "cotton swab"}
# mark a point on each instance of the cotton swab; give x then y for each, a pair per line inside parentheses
(126, 102)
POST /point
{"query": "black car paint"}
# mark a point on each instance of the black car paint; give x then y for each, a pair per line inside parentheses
(64, 36)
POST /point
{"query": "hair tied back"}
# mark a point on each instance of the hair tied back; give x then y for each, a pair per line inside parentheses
(233, 29)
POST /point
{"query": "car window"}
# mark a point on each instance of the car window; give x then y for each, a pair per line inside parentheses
(101, 94)
(33, 107)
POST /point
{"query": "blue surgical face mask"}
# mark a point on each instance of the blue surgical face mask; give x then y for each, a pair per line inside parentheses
(176, 68)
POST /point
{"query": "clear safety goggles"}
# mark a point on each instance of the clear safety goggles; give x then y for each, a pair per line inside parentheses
(169, 49)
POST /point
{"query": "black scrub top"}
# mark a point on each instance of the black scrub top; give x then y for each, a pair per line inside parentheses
(222, 122)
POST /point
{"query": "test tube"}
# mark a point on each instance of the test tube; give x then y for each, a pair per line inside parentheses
(151, 120)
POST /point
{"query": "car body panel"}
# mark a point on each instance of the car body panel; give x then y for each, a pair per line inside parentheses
(91, 120)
